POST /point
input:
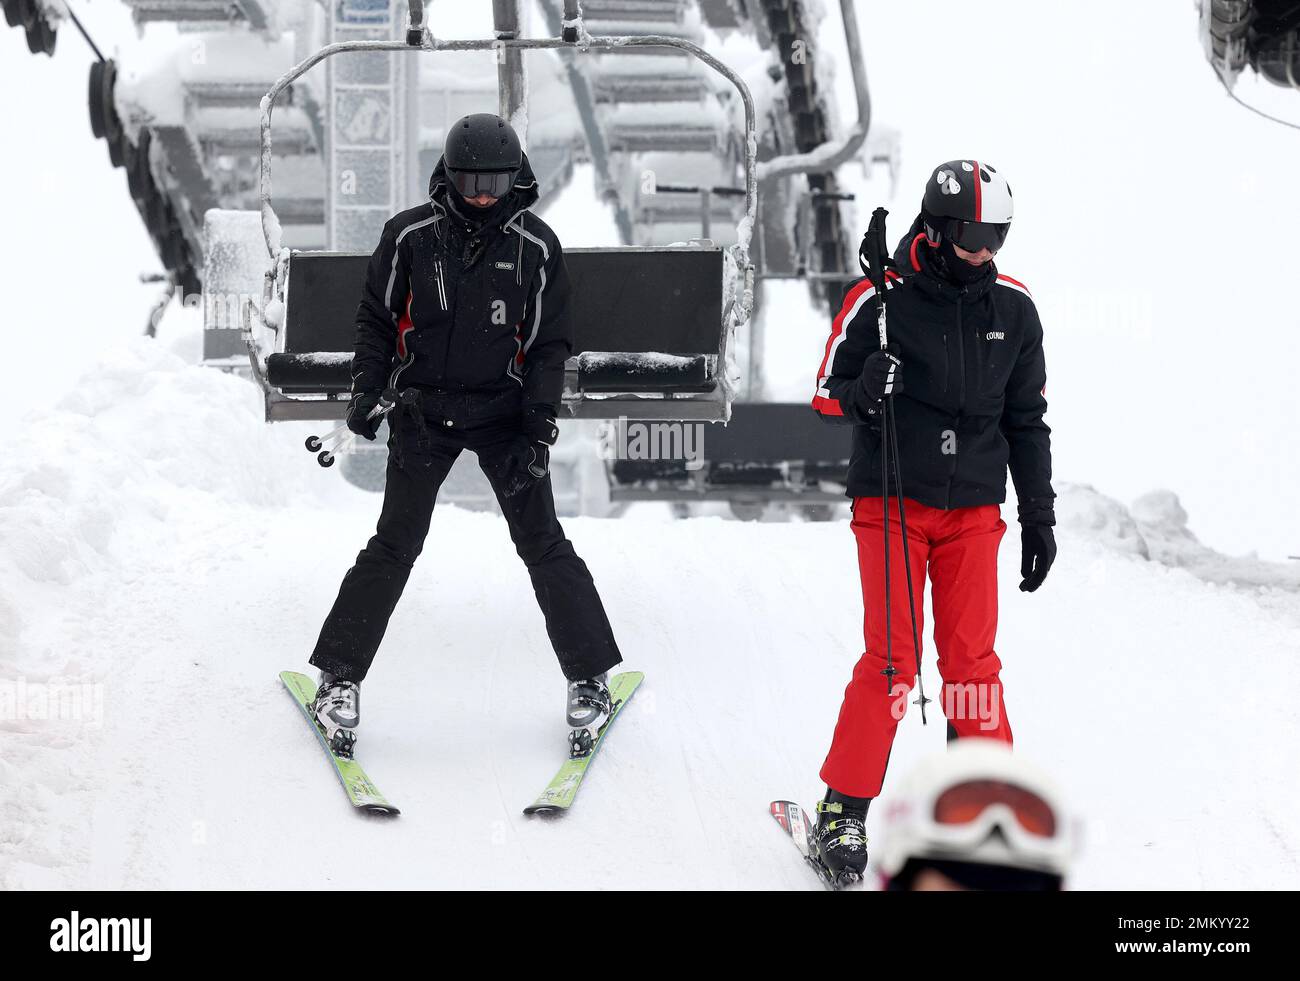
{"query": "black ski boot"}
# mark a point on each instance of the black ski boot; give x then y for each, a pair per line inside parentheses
(842, 836)
(589, 708)
(337, 710)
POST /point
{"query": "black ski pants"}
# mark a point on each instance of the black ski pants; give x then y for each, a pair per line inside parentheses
(419, 460)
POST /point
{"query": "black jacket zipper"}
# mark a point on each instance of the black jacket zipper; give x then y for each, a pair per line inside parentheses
(961, 361)
(442, 283)
(451, 328)
(961, 398)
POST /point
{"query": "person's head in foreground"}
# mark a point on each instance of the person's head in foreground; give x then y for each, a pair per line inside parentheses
(976, 817)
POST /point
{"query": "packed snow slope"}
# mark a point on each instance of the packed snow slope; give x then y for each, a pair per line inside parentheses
(166, 547)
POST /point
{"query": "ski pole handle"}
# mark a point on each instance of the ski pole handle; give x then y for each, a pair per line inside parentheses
(388, 400)
(341, 438)
(876, 261)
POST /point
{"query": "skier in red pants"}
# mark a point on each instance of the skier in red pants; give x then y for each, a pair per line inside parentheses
(969, 345)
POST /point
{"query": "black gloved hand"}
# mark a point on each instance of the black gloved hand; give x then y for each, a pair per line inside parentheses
(1037, 553)
(539, 424)
(882, 374)
(529, 457)
(359, 420)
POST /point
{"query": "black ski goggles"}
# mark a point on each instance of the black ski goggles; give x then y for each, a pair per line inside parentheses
(974, 236)
(472, 183)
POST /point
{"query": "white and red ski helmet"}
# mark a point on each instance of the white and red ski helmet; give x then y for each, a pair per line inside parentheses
(978, 803)
(969, 203)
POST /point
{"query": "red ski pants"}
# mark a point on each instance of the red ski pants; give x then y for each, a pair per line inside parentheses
(960, 549)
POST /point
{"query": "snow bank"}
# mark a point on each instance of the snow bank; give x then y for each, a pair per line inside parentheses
(142, 440)
(120, 474)
(1156, 528)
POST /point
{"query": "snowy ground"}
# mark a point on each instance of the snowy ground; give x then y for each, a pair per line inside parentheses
(175, 553)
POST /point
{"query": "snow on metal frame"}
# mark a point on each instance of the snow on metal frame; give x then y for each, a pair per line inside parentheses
(740, 310)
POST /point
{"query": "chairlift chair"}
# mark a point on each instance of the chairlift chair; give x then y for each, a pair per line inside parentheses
(653, 324)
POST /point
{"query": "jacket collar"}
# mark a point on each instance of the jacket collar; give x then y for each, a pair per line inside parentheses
(916, 259)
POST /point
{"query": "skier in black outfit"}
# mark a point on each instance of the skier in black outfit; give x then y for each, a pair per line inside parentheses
(465, 305)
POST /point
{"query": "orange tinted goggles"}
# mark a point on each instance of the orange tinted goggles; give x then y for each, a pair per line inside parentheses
(965, 802)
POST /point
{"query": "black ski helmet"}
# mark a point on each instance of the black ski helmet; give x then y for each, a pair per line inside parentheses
(482, 155)
(968, 203)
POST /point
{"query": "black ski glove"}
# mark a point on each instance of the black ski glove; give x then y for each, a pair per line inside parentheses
(529, 457)
(882, 375)
(1037, 553)
(539, 424)
(359, 419)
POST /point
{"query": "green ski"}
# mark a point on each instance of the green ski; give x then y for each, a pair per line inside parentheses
(360, 790)
(560, 792)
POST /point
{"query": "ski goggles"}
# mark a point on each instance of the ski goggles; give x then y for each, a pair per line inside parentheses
(998, 823)
(966, 803)
(472, 183)
(973, 236)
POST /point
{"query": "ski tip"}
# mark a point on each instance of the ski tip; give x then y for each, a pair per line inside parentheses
(380, 810)
(544, 810)
(297, 681)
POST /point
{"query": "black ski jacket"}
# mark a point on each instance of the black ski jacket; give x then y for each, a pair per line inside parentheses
(974, 387)
(463, 306)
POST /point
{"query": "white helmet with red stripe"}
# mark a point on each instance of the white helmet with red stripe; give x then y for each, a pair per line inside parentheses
(969, 203)
(978, 803)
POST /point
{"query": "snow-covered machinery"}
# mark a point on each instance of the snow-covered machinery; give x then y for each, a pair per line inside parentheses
(39, 20)
(766, 457)
(666, 131)
(776, 453)
(1259, 34)
(653, 324)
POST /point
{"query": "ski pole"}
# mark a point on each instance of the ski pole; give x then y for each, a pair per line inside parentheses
(876, 248)
(314, 443)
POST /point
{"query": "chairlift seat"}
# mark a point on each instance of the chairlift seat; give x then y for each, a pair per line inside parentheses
(783, 449)
(648, 326)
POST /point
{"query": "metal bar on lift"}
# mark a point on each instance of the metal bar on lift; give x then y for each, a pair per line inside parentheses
(415, 23)
(511, 83)
(696, 189)
(744, 306)
(586, 108)
(835, 277)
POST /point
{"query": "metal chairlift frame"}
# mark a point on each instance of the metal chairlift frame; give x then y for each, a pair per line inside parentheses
(738, 301)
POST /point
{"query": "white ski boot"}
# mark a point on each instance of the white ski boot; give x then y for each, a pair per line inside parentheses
(589, 708)
(337, 710)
